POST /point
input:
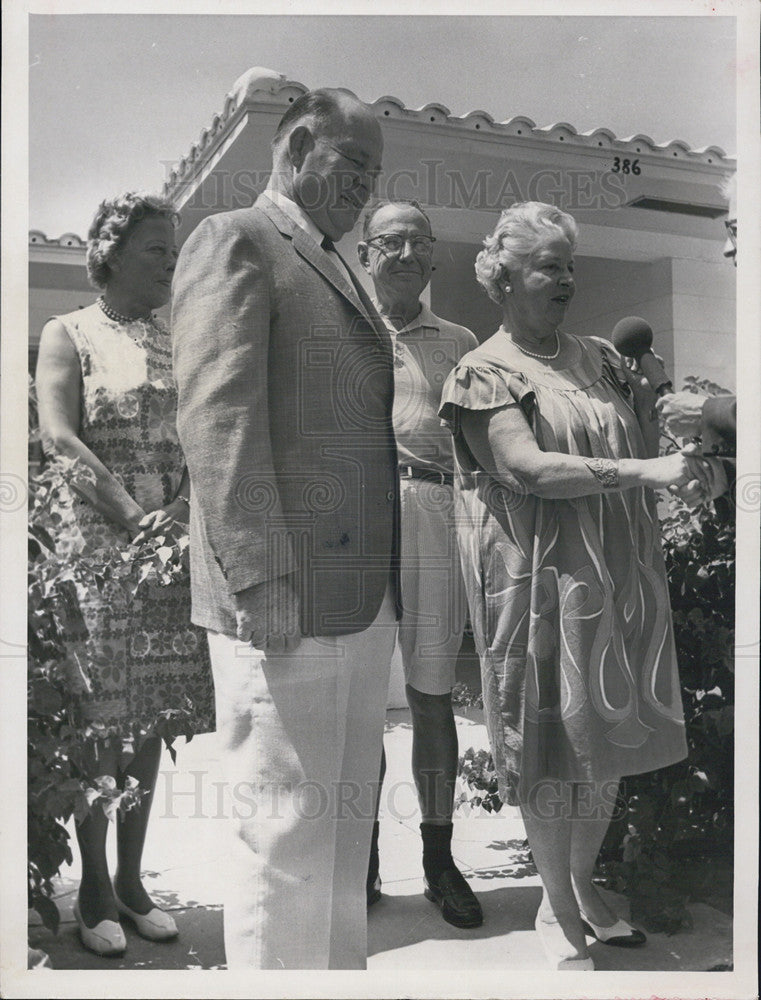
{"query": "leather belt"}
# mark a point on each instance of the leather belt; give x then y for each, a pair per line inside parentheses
(414, 472)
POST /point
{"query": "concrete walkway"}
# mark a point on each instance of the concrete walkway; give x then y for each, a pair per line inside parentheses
(185, 853)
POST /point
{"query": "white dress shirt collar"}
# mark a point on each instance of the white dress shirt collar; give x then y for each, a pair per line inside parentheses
(302, 220)
(294, 212)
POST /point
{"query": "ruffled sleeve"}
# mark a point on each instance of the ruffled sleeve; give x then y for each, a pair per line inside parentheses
(474, 386)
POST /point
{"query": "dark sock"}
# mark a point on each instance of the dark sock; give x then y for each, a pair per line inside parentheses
(437, 849)
(373, 865)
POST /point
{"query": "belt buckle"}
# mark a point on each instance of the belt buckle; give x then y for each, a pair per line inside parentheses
(432, 475)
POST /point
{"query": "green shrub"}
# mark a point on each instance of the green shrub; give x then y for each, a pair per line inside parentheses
(677, 823)
(59, 739)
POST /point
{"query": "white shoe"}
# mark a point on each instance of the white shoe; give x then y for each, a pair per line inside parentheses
(105, 938)
(155, 925)
(555, 960)
(620, 934)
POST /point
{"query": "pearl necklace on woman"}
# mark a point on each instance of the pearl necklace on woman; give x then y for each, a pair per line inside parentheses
(118, 318)
(531, 354)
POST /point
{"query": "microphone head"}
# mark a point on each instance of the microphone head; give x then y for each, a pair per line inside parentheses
(632, 337)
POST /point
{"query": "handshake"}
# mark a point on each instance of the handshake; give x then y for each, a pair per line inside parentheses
(681, 414)
(695, 477)
(699, 477)
(707, 478)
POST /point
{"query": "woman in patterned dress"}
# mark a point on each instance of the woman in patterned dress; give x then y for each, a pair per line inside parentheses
(107, 398)
(555, 442)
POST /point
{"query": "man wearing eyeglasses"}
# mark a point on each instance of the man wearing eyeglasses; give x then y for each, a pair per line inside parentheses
(285, 377)
(396, 252)
(712, 418)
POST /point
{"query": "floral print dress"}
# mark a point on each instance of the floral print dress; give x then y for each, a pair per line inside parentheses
(569, 598)
(144, 656)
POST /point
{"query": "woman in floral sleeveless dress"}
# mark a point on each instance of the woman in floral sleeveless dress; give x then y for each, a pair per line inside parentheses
(107, 398)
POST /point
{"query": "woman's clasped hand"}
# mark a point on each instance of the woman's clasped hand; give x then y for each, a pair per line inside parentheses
(107, 398)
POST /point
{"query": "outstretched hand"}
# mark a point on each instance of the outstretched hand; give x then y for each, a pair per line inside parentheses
(681, 412)
(700, 477)
(713, 485)
(679, 470)
(692, 493)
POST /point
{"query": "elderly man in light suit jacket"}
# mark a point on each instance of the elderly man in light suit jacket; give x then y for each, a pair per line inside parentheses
(285, 377)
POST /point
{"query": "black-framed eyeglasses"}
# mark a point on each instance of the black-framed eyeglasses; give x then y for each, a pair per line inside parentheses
(393, 244)
(731, 226)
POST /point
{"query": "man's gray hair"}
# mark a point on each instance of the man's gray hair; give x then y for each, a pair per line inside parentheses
(384, 203)
(319, 109)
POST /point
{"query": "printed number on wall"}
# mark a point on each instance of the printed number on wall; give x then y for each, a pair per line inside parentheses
(626, 166)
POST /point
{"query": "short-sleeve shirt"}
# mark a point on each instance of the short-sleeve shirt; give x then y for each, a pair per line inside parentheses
(425, 352)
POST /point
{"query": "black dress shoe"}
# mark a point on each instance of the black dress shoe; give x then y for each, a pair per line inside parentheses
(458, 903)
(373, 890)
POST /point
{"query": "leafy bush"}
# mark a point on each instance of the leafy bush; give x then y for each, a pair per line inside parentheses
(678, 822)
(681, 816)
(59, 738)
(476, 787)
(674, 824)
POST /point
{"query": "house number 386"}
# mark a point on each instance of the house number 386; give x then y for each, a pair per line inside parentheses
(626, 166)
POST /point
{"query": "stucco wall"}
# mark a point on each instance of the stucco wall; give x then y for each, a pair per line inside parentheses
(688, 303)
(705, 321)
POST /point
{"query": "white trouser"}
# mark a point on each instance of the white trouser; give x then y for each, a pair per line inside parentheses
(301, 736)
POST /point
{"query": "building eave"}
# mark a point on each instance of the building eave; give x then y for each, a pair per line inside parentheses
(266, 90)
(65, 249)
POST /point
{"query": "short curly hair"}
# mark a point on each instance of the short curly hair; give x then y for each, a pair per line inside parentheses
(113, 223)
(515, 237)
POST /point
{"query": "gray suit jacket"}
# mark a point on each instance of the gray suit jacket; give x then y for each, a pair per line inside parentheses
(285, 377)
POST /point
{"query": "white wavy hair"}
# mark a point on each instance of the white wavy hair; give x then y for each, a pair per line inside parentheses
(515, 237)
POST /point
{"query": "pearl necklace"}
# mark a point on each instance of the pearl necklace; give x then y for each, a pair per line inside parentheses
(541, 357)
(118, 318)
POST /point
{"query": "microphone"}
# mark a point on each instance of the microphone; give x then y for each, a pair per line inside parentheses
(633, 337)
